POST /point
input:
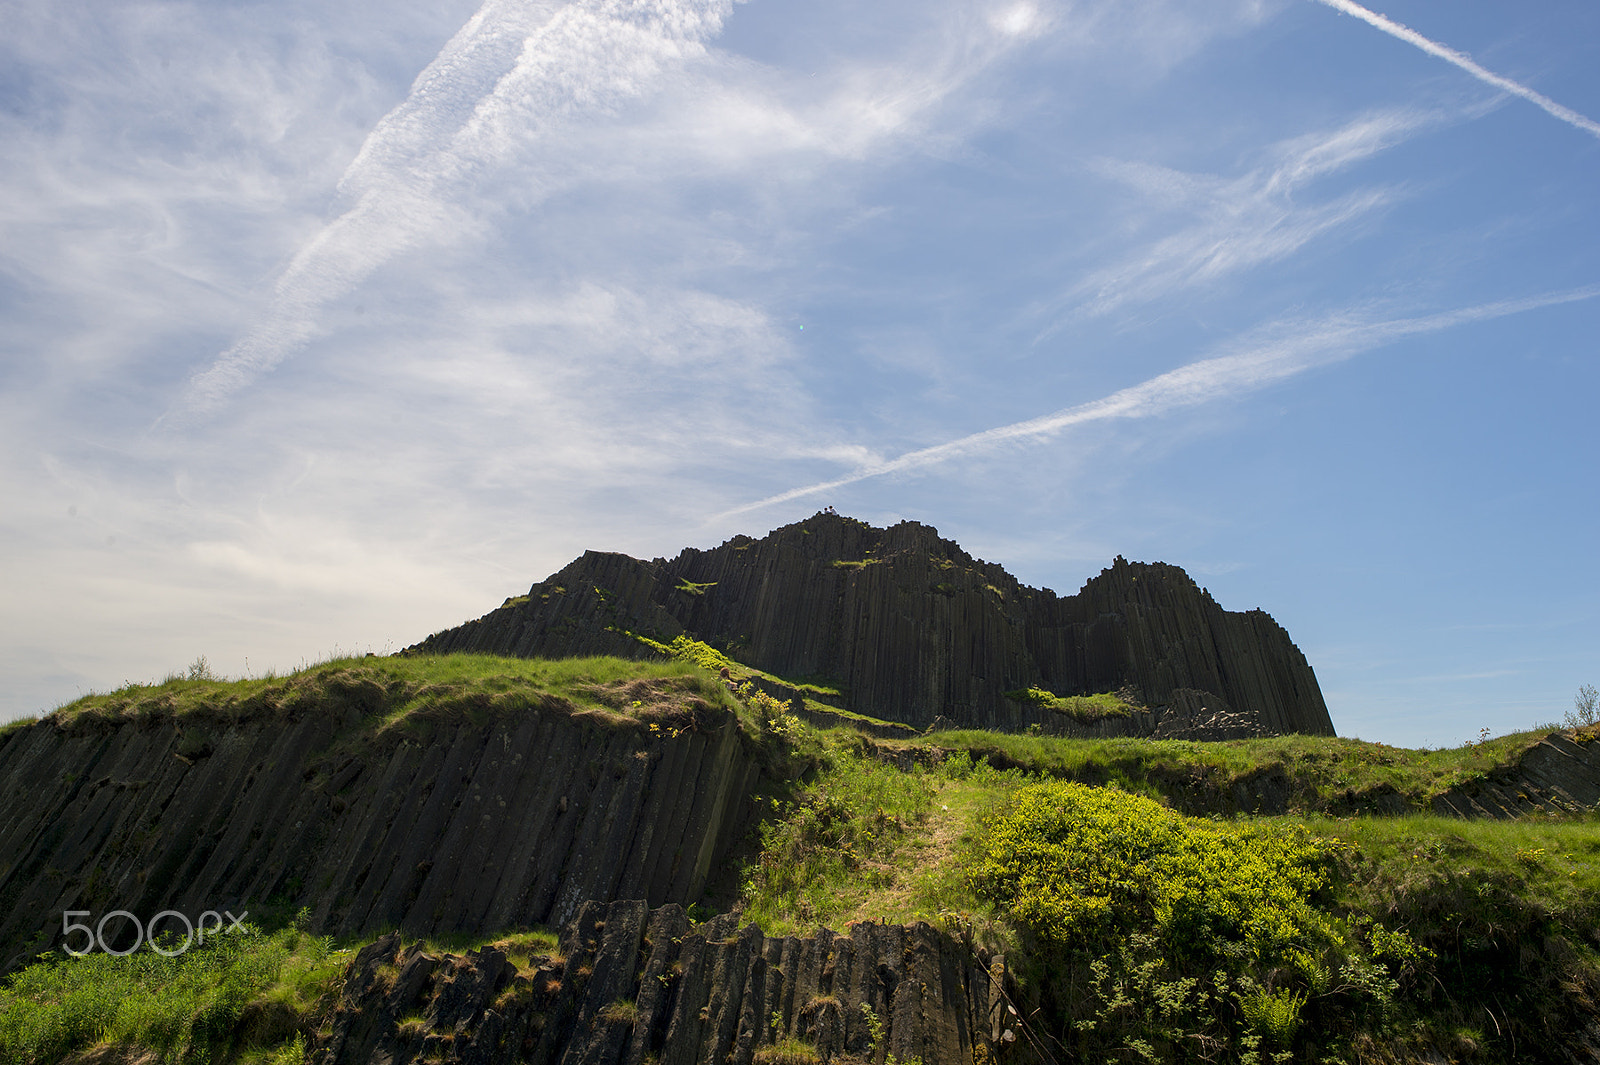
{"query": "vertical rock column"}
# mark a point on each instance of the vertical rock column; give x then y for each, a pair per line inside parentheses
(631, 986)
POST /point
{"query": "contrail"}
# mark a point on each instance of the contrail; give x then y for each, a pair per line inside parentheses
(1465, 62)
(1261, 364)
(514, 71)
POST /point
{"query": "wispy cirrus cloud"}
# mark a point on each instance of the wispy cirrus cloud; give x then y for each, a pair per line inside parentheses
(1405, 33)
(1267, 356)
(1239, 223)
(522, 74)
(512, 72)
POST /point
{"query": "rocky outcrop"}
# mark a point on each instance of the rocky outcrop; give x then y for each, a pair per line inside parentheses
(911, 627)
(1559, 774)
(1187, 717)
(633, 985)
(468, 826)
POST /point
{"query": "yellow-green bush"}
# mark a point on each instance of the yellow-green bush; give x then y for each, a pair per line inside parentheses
(696, 652)
(1079, 865)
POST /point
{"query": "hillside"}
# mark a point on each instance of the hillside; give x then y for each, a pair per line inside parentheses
(435, 796)
(786, 895)
(902, 625)
(839, 795)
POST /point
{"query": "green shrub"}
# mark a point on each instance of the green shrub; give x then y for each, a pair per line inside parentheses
(789, 1051)
(688, 649)
(1071, 863)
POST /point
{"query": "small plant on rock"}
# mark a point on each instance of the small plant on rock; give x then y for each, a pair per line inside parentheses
(1585, 708)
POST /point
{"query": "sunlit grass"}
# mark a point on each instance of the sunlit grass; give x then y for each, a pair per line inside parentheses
(1319, 769)
(243, 991)
(389, 692)
(1552, 864)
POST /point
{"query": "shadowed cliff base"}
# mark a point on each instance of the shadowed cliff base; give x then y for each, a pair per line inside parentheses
(901, 625)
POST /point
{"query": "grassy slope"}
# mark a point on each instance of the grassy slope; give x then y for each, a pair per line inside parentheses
(1508, 910)
(257, 999)
(1322, 771)
(247, 997)
(398, 695)
(1506, 915)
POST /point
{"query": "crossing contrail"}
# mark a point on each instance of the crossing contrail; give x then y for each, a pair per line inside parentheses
(1261, 363)
(1465, 62)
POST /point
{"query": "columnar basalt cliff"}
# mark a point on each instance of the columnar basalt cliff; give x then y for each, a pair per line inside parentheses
(470, 825)
(912, 628)
(633, 986)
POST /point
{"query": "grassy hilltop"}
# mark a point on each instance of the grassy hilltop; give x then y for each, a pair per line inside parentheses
(1145, 914)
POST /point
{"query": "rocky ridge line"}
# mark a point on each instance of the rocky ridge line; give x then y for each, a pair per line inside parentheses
(913, 628)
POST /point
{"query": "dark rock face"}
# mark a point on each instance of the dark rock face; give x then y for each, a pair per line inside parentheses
(491, 825)
(634, 985)
(1559, 774)
(915, 628)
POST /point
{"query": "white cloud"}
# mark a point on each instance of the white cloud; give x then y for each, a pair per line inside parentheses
(1243, 222)
(506, 111)
(515, 70)
(1016, 20)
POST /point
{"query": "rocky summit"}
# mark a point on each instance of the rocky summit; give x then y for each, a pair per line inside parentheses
(902, 625)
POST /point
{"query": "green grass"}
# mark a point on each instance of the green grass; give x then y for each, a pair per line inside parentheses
(1085, 708)
(394, 693)
(820, 694)
(847, 717)
(1139, 933)
(788, 1051)
(1326, 939)
(1321, 771)
(244, 995)
(12, 727)
(520, 947)
(827, 851)
(1408, 866)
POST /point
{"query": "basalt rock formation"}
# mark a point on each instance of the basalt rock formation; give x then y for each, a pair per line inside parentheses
(1559, 774)
(912, 628)
(472, 825)
(633, 985)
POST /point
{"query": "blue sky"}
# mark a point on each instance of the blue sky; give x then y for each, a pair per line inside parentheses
(328, 325)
